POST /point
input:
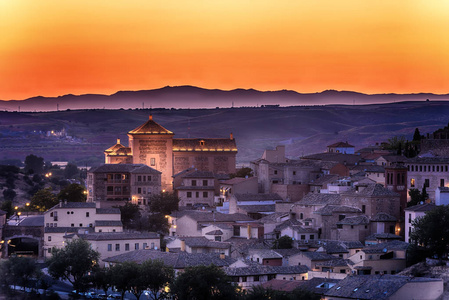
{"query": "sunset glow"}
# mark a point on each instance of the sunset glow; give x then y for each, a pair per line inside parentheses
(53, 48)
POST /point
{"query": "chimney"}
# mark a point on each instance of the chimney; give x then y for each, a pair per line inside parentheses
(65, 201)
(232, 136)
(118, 141)
(60, 203)
(183, 245)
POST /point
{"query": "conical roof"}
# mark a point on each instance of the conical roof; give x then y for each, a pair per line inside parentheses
(150, 127)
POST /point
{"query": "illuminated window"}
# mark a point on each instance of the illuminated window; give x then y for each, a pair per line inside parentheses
(202, 143)
(412, 182)
(152, 161)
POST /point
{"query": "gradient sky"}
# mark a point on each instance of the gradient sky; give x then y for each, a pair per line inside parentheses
(54, 47)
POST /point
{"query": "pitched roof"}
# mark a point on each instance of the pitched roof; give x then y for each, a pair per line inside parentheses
(421, 207)
(314, 256)
(236, 180)
(103, 236)
(102, 211)
(201, 216)
(382, 236)
(337, 262)
(225, 145)
(199, 174)
(328, 210)
(126, 168)
(388, 246)
(108, 223)
(33, 221)
(257, 269)
(203, 242)
(375, 190)
(369, 168)
(282, 285)
(265, 253)
(324, 179)
(73, 205)
(270, 208)
(341, 144)
(257, 197)
(150, 127)
(383, 217)
(355, 220)
(178, 260)
(320, 199)
(349, 159)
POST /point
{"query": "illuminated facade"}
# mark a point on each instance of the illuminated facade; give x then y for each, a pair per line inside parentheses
(153, 145)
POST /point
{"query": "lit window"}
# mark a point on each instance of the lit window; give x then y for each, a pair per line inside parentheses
(412, 182)
(152, 161)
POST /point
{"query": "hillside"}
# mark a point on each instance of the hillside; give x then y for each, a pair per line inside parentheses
(194, 97)
(85, 134)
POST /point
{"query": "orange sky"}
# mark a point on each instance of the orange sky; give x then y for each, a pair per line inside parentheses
(54, 47)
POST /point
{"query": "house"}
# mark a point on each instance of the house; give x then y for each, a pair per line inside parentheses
(392, 287)
(266, 257)
(309, 259)
(115, 243)
(197, 188)
(254, 205)
(179, 261)
(191, 223)
(431, 172)
(199, 245)
(412, 213)
(116, 184)
(442, 196)
(341, 147)
(353, 228)
(373, 172)
(255, 274)
(383, 258)
(155, 146)
(238, 185)
(316, 285)
(295, 229)
(322, 182)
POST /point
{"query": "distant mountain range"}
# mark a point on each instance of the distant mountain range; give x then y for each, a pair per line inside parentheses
(195, 97)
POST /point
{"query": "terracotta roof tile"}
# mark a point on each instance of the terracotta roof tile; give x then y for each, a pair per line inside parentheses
(150, 127)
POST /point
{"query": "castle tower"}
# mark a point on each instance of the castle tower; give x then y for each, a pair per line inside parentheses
(152, 145)
(396, 181)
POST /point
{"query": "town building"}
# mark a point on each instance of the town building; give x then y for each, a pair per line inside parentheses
(341, 147)
(197, 188)
(412, 213)
(153, 145)
(116, 184)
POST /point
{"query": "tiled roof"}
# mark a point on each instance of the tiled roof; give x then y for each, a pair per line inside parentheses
(125, 168)
(314, 256)
(201, 216)
(324, 179)
(282, 285)
(349, 159)
(334, 246)
(115, 147)
(273, 218)
(388, 246)
(258, 208)
(236, 180)
(257, 269)
(108, 223)
(320, 199)
(192, 188)
(102, 236)
(207, 145)
(202, 242)
(178, 260)
(74, 205)
(382, 236)
(265, 253)
(369, 286)
(328, 210)
(428, 160)
(337, 262)
(214, 232)
(421, 207)
(356, 220)
(66, 229)
(150, 127)
(383, 217)
(341, 145)
(199, 174)
(102, 211)
(375, 190)
(257, 197)
(369, 168)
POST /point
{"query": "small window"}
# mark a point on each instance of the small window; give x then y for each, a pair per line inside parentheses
(136, 246)
(139, 190)
(126, 247)
(144, 245)
(152, 161)
(202, 143)
(244, 278)
(204, 182)
(81, 224)
(197, 194)
(109, 247)
(294, 172)
(117, 247)
(193, 182)
(72, 225)
(275, 172)
(152, 245)
(412, 182)
(189, 194)
(49, 238)
(426, 183)
(87, 214)
(205, 194)
(256, 278)
(51, 214)
(139, 178)
(149, 178)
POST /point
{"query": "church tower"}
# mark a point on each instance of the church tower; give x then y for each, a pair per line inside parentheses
(152, 145)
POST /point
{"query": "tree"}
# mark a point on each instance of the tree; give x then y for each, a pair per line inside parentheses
(43, 200)
(284, 242)
(156, 276)
(243, 172)
(396, 142)
(73, 262)
(416, 197)
(417, 135)
(154, 222)
(164, 203)
(9, 194)
(8, 207)
(73, 193)
(130, 214)
(203, 283)
(125, 277)
(101, 278)
(18, 271)
(34, 164)
(432, 231)
(71, 171)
